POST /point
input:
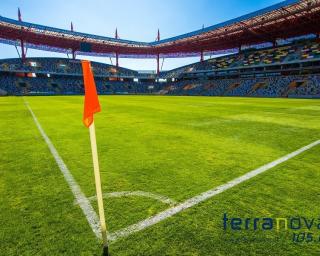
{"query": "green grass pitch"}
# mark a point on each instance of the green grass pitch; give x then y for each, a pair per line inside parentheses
(177, 147)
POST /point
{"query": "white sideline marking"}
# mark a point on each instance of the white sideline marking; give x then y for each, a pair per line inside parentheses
(81, 199)
(161, 198)
(204, 196)
(92, 217)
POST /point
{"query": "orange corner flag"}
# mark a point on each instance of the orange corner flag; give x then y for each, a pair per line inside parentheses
(92, 106)
(91, 101)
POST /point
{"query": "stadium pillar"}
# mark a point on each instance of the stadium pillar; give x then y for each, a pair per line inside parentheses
(73, 50)
(116, 36)
(117, 59)
(23, 53)
(274, 43)
(158, 55)
(73, 54)
(158, 64)
(201, 53)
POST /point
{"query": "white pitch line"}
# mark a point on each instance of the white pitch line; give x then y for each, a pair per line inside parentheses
(161, 198)
(92, 217)
(204, 196)
(81, 199)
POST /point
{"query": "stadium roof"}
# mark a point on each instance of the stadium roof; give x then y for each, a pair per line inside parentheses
(284, 20)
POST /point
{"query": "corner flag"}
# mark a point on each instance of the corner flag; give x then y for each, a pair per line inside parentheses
(92, 106)
(91, 101)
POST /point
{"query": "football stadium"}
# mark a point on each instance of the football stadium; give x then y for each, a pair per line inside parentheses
(215, 156)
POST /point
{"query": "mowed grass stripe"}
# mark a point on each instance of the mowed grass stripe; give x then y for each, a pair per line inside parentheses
(150, 138)
(120, 212)
(206, 195)
(180, 147)
(190, 202)
(152, 144)
(288, 190)
(37, 215)
(81, 199)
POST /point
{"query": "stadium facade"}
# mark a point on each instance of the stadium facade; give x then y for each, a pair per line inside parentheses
(273, 52)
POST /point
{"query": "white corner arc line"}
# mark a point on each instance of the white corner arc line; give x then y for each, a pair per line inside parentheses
(92, 217)
(81, 199)
(161, 198)
(204, 196)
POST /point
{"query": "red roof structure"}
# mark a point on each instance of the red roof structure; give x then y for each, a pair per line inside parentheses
(287, 19)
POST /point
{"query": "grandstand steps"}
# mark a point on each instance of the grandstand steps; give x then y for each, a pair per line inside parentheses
(167, 90)
(162, 92)
(292, 87)
(55, 86)
(3, 92)
(190, 86)
(292, 57)
(211, 87)
(257, 86)
(23, 85)
(208, 86)
(231, 88)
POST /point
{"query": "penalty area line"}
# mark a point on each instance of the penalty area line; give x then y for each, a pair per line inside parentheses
(81, 199)
(204, 196)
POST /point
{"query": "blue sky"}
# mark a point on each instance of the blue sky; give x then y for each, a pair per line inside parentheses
(135, 19)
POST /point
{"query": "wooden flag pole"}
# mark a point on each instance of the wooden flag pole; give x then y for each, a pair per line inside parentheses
(98, 187)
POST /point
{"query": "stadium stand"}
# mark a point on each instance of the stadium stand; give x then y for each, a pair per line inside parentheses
(291, 70)
(307, 86)
(288, 54)
(62, 66)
